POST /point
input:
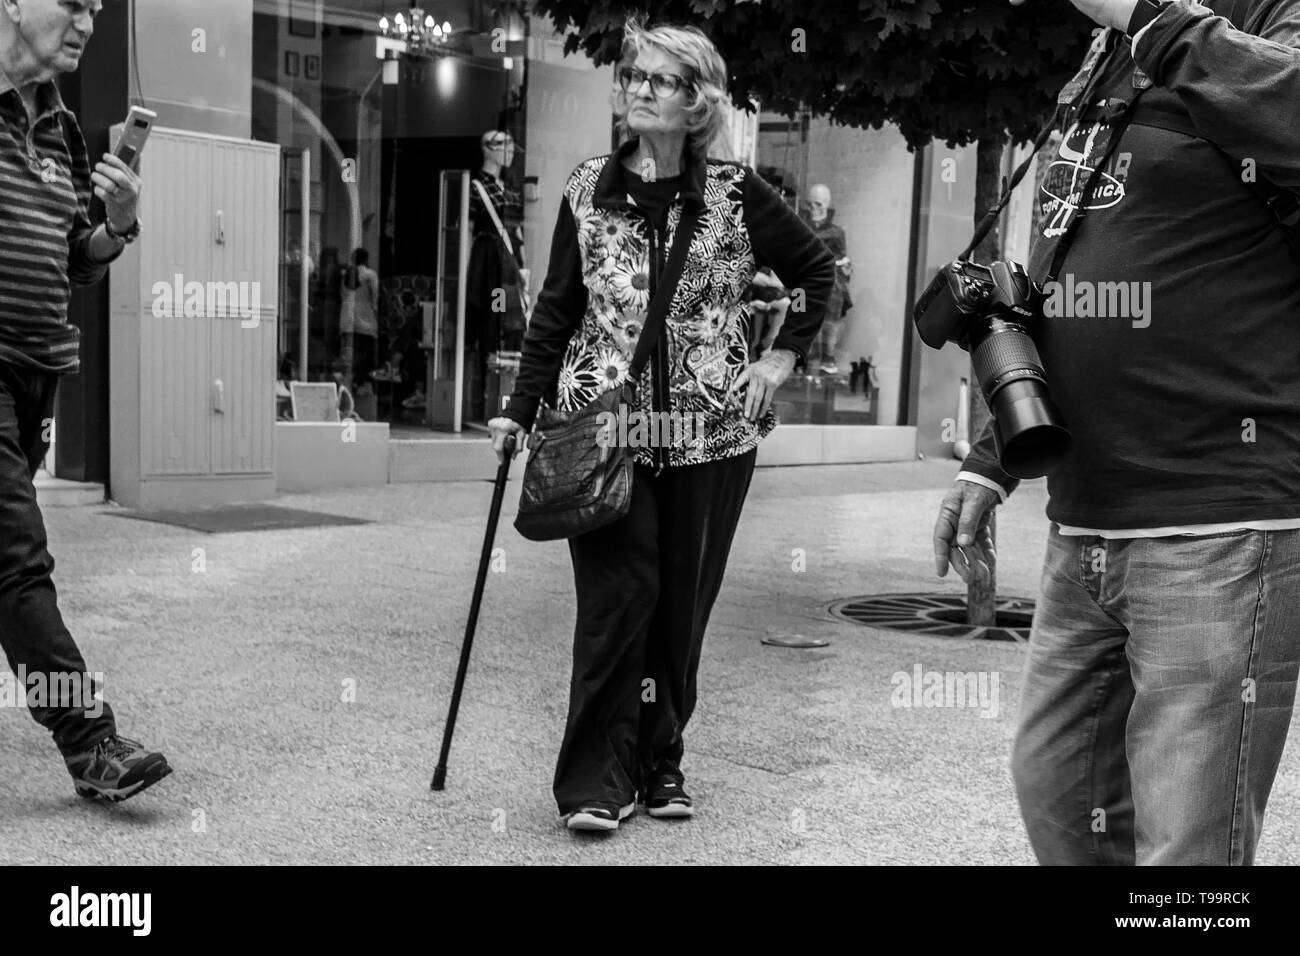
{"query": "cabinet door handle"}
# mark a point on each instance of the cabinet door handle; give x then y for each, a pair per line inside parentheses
(219, 397)
(221, 228)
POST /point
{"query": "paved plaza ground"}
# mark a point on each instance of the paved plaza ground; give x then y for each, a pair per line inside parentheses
(299, 683)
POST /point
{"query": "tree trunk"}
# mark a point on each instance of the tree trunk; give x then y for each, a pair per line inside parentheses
(980, 596)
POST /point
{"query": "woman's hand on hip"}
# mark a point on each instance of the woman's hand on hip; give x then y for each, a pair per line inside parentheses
(499, 428)
(761, 380)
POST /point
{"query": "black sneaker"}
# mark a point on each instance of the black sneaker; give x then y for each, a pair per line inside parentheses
(665, 799)
(598, 816)
(116, 769)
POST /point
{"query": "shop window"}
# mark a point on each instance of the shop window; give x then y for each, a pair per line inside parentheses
(365, 142)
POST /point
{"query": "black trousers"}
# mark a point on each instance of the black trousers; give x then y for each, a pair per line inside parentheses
(31, 628)
(645, 587)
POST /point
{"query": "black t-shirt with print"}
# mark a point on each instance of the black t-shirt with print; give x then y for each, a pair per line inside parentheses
(1184, 403)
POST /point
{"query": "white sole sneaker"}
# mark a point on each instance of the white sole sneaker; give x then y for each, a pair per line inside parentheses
(579, 820)
(672, 810)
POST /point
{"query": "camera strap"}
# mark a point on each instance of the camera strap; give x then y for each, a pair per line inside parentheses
(1082, 86)
(1119, 113)
(991, 217)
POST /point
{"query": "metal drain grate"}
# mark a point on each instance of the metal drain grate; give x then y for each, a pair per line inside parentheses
(940, 615)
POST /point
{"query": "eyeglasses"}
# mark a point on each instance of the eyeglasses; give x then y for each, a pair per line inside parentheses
(662, 85)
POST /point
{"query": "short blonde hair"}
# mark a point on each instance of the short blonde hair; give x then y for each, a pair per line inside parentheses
(706, 74)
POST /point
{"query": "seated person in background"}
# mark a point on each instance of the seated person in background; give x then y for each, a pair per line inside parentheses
(347, 407)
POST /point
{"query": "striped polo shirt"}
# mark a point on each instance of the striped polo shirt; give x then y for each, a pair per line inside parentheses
(45, 230)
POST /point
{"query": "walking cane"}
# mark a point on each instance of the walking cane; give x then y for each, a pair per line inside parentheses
(498, 491)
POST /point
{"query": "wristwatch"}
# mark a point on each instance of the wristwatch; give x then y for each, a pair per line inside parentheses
(1144, 13)
(127, 237)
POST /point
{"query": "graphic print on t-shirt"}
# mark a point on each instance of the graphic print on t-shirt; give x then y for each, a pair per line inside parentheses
(1066, 176)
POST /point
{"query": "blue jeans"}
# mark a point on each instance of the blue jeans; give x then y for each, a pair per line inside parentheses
(1157, 696)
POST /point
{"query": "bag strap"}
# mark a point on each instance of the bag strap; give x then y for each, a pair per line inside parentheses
(492, 214)
(662, 298)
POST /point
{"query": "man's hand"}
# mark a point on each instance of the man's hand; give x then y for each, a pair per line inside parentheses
(118, 185)
(1109, 13)
(761, 380)
(961, 535)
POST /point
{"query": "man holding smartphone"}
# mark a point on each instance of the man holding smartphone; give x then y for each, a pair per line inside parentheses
(47, 243)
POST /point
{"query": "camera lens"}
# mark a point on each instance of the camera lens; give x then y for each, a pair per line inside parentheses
(1030, 435)
(1028, 429)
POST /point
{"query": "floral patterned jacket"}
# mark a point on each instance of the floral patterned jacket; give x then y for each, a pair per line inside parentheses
(589, 314)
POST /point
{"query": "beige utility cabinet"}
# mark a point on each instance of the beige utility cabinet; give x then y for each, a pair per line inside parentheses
(192, 381)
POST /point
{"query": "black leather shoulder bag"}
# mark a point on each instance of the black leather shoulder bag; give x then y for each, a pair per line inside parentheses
(578, 478)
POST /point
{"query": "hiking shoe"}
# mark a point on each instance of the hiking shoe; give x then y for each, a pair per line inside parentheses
(665, 799)
(598, 816)
(116, 769)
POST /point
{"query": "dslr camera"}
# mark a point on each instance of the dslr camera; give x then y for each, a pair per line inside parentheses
(987, 310)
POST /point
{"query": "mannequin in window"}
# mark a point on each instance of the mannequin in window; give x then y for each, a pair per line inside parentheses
(494, 310)
(819, 217)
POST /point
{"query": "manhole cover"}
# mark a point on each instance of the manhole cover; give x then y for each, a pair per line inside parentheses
(942, 615)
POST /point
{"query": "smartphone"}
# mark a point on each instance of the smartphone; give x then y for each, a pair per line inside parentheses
(134, 134)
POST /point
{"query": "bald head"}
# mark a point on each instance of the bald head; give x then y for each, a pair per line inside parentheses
(819, 202)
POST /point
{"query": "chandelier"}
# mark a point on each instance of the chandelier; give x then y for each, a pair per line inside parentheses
(414, 32)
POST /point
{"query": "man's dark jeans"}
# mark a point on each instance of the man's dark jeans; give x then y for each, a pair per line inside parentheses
(31, 628)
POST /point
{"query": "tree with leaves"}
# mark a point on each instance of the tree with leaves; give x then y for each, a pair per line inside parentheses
(962, 71)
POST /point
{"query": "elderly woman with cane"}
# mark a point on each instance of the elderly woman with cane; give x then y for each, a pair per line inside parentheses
(647, 581)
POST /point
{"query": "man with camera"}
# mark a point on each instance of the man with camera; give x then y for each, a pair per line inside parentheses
(47, 242)
(1162, 665)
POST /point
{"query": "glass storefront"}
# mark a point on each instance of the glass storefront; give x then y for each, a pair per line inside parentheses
(376, 253)
(405, 213)
(839, 384)
(401, 152)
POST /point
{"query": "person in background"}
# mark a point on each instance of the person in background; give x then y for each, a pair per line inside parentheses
(347, 406)
(359, 317)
